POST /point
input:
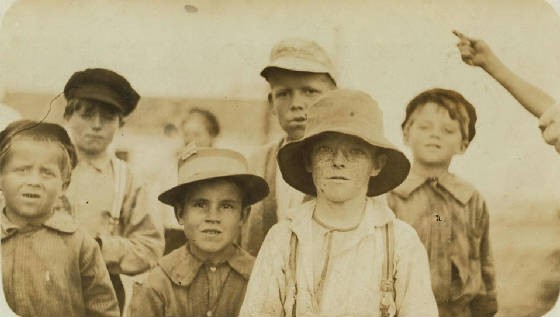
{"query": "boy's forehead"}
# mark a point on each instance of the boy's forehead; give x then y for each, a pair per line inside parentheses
(430, 108)
(28, 147)
(214, 188)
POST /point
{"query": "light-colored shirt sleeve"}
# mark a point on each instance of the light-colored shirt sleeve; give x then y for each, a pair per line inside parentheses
(265, 290)
(140, 241)
(414, 296)
(549, 123)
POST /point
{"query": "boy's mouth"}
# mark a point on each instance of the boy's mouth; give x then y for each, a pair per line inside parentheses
(433, 145)
(211, 231)
(31, 195)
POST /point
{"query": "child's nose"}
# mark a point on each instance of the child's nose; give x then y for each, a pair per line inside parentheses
(298, 101)
(33, 178)
(97, 121)
(213, 215)
(339, 158)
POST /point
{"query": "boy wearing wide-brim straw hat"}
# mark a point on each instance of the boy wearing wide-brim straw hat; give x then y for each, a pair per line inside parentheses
(208, 275)
(342, 253)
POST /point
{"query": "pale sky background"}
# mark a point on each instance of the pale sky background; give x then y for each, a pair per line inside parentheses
(391, 49)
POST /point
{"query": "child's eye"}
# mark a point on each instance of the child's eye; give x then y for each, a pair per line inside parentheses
(86, 114)
(357, 151)
(281, 94)
(19, 169)
(311, 91)
(227, 206)
(48, 172)
(108, 116)
(324, 149)
(199, 204)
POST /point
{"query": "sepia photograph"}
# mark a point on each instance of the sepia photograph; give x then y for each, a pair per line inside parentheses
(280, 158)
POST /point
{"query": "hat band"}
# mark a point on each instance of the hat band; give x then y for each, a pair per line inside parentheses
(194, 168)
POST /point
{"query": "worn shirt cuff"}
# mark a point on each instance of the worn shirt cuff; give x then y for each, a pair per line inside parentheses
(111, 249)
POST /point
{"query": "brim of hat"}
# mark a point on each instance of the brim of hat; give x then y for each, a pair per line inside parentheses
(255, 187)
(292, 165)
(297, 65)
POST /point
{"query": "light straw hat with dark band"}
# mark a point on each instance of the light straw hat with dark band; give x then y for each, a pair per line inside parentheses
(352, 113)
(198, 164)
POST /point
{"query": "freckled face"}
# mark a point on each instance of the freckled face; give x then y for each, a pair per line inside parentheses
(341, 167)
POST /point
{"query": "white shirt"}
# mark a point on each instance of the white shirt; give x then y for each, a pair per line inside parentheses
(352, 284)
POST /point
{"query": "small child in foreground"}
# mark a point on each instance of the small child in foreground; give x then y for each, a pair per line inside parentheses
(50, 267)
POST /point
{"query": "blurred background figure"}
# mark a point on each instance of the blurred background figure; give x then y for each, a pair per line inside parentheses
(201, 127)
(7, 113)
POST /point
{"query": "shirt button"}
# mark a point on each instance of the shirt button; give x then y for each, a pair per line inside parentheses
(209, 313)
(213, 269)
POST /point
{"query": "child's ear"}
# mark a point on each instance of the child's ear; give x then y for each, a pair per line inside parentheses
(379, 163)
(271, 104)
(405, 136)
(464, 146)
(245, 214)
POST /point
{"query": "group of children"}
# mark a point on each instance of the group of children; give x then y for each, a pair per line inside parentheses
(311, 207)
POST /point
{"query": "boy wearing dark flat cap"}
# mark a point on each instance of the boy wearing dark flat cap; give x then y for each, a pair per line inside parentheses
(106, 197)
(343, 253)
(207, 276)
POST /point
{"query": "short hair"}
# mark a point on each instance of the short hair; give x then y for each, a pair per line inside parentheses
(75, 104)
(179, 205)
(41, 132)
(456, 105)
(211, 122)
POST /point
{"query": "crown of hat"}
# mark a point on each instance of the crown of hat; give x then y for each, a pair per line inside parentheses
(345, 110)
(300, 48)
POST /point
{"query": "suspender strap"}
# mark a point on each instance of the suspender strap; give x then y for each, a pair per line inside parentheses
(291, 285)
(119, 176)
(387, 282)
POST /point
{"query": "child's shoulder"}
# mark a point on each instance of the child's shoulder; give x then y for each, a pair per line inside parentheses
(62, 223)
(462, 189)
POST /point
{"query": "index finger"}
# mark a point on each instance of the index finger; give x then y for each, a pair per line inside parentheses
(461, 35)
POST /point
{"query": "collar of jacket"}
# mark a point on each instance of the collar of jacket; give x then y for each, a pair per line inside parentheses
(181, 266)
(377, 214)
(59, 221)
(459, 189)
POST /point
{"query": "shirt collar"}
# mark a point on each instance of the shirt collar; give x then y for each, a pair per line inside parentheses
(59, 221)
(102, 165)
(181, 266)
(459, 189)
(377, 214)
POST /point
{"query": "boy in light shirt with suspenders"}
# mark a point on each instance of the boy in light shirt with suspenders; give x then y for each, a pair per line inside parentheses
(104, 195)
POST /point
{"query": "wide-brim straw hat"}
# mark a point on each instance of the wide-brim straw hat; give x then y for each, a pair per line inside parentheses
(351, 113)
(200, 164)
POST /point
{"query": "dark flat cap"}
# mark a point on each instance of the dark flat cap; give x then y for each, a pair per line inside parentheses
(102, 85)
